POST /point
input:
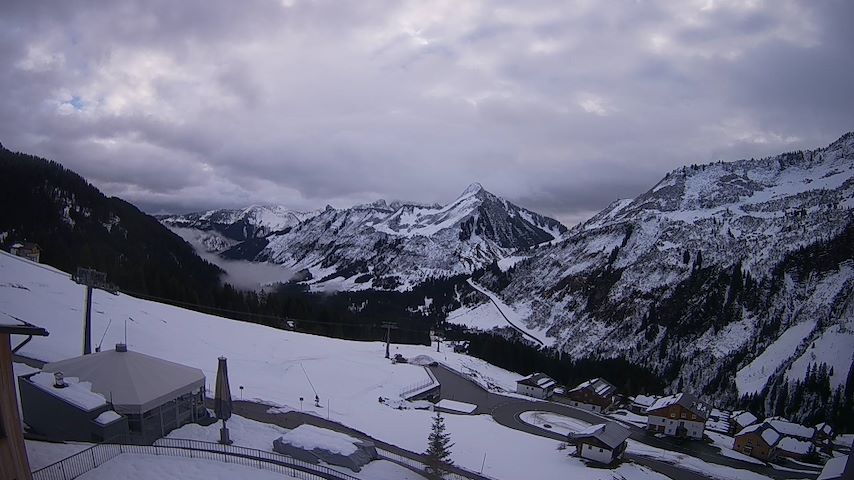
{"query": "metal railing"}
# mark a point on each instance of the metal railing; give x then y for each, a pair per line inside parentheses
(420, 387)
(95, 456)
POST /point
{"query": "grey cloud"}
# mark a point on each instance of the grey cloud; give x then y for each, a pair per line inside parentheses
(558, 107)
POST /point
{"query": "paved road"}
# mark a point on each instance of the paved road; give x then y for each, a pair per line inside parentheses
(506, 410)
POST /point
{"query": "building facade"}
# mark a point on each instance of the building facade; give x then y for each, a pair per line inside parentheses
(682, 416)
(758, 441)
(603, 443)
(595, 395)
(28, 250)
(536, 385)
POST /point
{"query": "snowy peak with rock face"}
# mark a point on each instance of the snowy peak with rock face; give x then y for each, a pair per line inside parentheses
(703, 273)
(225, 227)
(395, 246)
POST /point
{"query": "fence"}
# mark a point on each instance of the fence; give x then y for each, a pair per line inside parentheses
(95, 456)
(420, 387)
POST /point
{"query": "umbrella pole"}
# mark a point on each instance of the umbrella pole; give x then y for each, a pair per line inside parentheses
(223, 435)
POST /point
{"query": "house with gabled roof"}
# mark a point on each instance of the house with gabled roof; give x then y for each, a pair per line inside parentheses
(824, 436)
(29, 250)
(758, 440)
(536, 385)
(791, 429)
(639, 403)
(741, 419)
(595, 395)
(603, 443)
(794, 448)
(682, 415)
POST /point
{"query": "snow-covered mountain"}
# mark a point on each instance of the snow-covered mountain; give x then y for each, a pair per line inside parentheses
(708, 272)
(397, 245)
(220, 229)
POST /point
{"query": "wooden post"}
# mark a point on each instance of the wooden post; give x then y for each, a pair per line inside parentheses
(13, 454)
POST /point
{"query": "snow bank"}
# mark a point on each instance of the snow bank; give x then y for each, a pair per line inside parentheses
(456, 406)
(107, 417)
(309, 437)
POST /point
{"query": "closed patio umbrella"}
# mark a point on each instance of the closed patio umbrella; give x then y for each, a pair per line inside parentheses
(222, 400)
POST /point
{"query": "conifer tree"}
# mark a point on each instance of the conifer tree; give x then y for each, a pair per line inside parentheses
(438, 447)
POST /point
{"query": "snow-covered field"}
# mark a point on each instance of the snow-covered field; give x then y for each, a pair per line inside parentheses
(552, 421)
(275, 366)
(155, 467)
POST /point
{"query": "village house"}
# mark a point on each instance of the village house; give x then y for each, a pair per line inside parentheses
(741, 419)
(603, 443)
(30, 251)
(595, 395)
(112, 394)
(536, 385)
(794, 448)
(682, 416)
(824, 437)
(758, 440)
(791, 429)
(640, 403)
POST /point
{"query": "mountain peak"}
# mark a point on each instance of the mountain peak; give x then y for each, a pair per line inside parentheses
(472, 189)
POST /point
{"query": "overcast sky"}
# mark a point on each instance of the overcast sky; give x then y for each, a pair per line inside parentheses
(559, 106)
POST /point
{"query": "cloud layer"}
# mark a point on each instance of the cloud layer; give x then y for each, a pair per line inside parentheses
(560, 106)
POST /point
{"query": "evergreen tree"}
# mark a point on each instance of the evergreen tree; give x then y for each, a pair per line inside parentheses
(438, 447)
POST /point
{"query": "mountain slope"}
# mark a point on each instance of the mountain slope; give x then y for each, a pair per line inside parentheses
(222, 229)
(76, 225)
(699, 275)
(391, 245)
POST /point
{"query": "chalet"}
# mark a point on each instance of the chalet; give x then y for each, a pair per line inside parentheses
(682, 415)
(824, 436)
(595, 395)
(640, 403)
(30, 251)
(536, 385)
(603, 443)
(758, 440)
(112, 394)
(791, 429)
(794, 448)
(741, 419)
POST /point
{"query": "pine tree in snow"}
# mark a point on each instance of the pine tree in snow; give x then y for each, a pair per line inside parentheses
(438, 447)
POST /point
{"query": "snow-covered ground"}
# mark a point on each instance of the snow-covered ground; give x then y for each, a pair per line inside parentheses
(629, 417)
(753, 377)
(712, 470)
(156, 467)
(455, 406)
(513, 318)
(275, 366)
(552, 421)
(42, 454)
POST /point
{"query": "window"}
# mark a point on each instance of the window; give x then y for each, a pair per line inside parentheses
(683, 415)
(673, 415)
(600, 450)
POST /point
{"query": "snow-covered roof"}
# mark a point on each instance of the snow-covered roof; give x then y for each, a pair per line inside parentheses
(824, 428)
(743, 418)
(791, 429)
(134, 382)
(686, 400)
(107, 417)
(833, 469)
(538, 380)
(75, 392)
(598, 386)
(611, 433)
(793, 445)
(644, 400)
(764, 430)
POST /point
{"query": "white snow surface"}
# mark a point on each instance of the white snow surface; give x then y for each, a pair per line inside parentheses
(753, 377)
(42, 454)
(109, 416)
(456, 406)
(158, 467)
(309, 437)
(77, 393)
